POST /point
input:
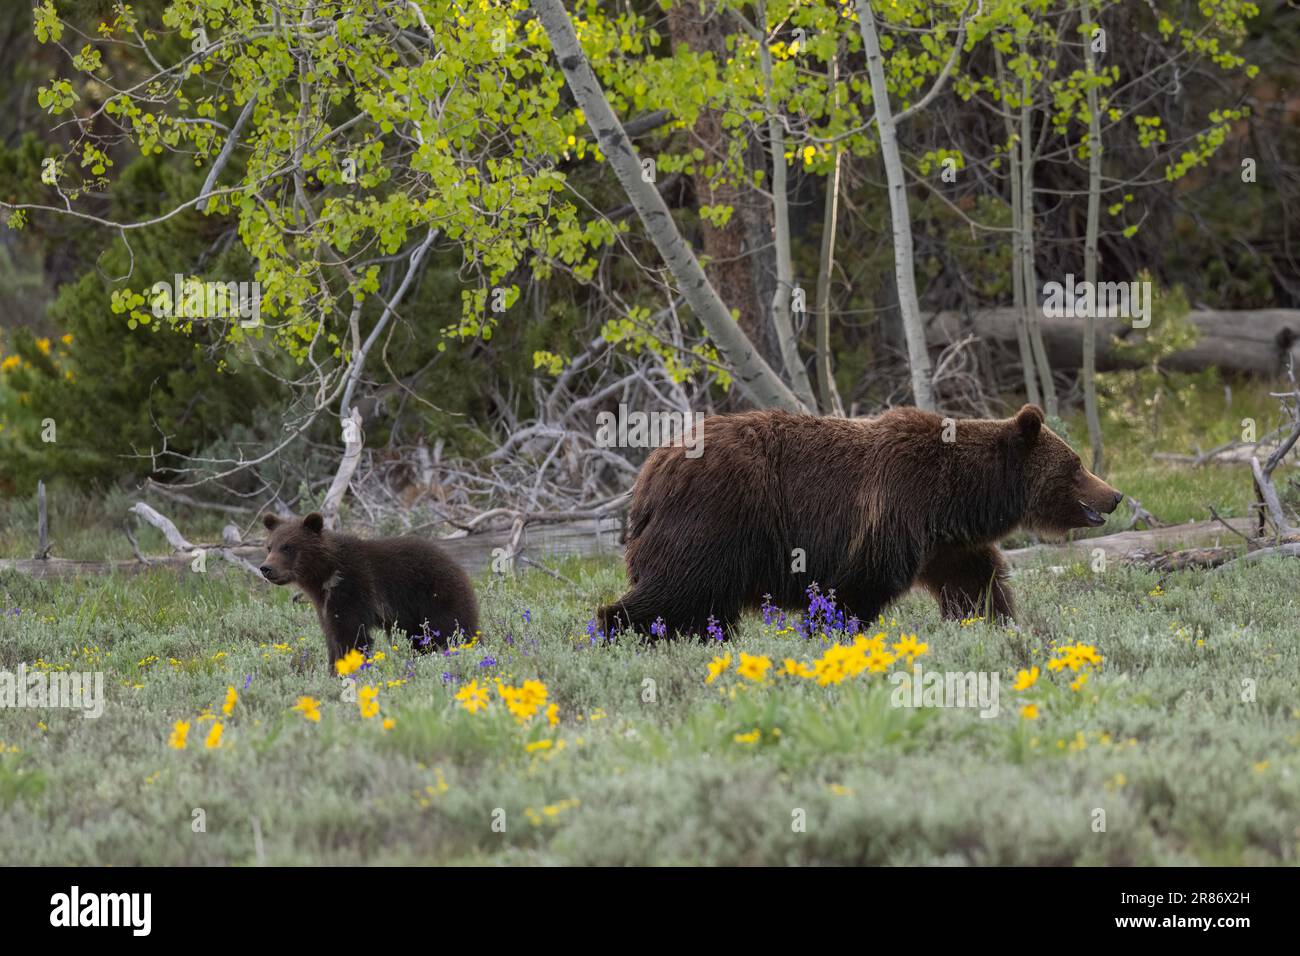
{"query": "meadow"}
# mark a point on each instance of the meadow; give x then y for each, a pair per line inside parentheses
(1141, 719)
(1171, 707)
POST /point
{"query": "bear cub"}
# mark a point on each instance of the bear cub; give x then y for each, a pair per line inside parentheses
(356, 584)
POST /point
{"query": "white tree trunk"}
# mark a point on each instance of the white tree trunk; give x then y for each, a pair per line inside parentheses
(352, 446)
(904, 266)
(1017, 260)
(1089, 369)
(831, 404)
(753, 375)
(787, 340)
(1032, 323)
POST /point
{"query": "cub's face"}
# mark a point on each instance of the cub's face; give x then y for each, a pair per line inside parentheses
(1063, 494)
(292, 548)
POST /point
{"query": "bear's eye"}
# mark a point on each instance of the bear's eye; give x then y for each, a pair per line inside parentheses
(287, 549)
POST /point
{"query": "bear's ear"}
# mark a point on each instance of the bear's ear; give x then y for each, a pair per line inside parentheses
(271, 521)
(314, 522)
(1029, 422)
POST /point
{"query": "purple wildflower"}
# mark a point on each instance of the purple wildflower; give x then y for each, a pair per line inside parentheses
(714, 630)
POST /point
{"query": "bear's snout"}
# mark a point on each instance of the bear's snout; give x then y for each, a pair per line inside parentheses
(268, 572)
(1098, 499)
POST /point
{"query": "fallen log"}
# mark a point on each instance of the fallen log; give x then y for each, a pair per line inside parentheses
(591, 537)
(60, 568)
(1120, 545)
(1282, 550)
(1255, 343)
(1188, 558)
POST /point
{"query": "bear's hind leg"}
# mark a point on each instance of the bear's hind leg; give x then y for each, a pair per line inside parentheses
(436, 632)
(641, 608)
(969, 582)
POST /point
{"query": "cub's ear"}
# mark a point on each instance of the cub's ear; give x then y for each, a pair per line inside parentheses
(314, 522)
(1029, 422)
(271, 521)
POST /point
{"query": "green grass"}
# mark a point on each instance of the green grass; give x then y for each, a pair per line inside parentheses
(1187, 737)
(1146, 414)
(650, 770)
(88, 526)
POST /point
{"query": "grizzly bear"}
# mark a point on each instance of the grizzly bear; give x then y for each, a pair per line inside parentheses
(779, 501)
(356, 584)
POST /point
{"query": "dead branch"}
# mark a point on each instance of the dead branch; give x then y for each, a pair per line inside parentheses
(353, 445)
(1281, 550)
(1217, 517)
(181, 499)
(1141, 516)
(1180, 560)
(180, 544)
(1267, 496)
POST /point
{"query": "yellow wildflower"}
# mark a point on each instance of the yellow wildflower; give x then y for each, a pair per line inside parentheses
(753, 666)
(716, 667)
(368, 701)
(1026, 679)
(1087, 654)
(793, 668)
(830, 667)
(473, 697)
(878, 661)
(869, 644)
(309, 707)
(349, 663)
(908, 647)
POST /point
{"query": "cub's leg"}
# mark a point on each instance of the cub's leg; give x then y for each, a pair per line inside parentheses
(346, 628)
(969, 582)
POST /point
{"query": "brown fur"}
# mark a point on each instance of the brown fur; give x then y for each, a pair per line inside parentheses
(877, 505)
(356, 584)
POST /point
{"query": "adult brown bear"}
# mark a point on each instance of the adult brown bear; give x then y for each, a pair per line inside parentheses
(356, 584)
(867, 507)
